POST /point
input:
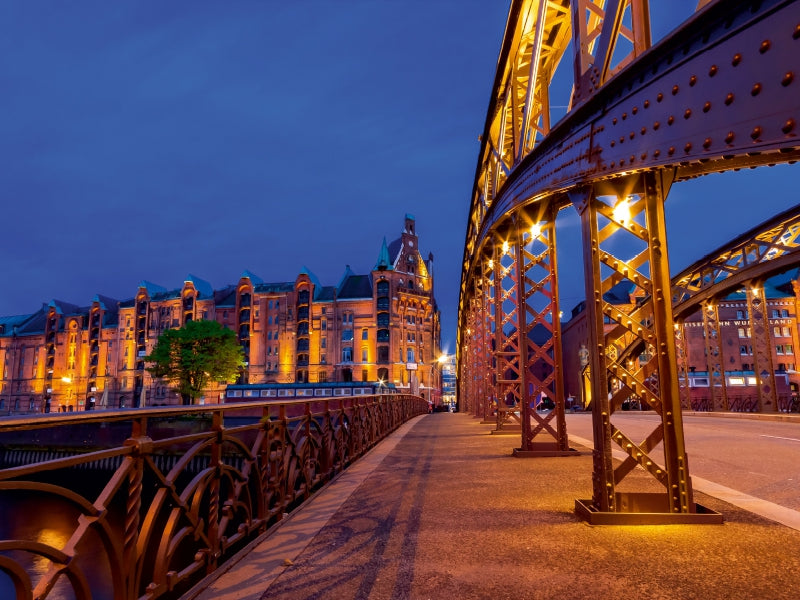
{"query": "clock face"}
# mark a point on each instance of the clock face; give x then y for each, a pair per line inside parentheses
(410, 244)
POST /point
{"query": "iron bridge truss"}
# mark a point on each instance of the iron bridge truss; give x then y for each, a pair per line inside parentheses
(716, 94)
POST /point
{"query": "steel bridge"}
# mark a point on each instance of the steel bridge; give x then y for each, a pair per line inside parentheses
(716, 94)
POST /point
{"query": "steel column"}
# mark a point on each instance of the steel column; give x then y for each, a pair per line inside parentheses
(762, 347)
(632, 212)
(506, 334)
(681, 353)
(540, 340)
(714, 359)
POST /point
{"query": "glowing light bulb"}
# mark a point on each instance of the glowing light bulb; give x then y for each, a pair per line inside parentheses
(536, 230)
(622, 211)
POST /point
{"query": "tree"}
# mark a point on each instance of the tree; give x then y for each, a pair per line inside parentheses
(194, 355)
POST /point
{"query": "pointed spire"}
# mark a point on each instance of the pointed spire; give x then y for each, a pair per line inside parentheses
(384, 262)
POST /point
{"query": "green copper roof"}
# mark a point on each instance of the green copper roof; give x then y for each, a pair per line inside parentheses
(384, 262)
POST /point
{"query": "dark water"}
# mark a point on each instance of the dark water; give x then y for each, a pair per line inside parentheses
(49, 521)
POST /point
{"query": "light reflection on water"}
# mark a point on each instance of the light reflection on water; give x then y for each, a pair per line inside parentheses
(50, 521)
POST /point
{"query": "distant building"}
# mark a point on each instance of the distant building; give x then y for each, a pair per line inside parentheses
(379, 326)
(734, 368)
(448, 369)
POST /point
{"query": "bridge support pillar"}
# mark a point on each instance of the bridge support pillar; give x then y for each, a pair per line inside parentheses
(762, 347)
(632, 352)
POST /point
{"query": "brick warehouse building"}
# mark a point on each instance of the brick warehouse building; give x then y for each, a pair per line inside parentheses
(721, 375)
(381, 326)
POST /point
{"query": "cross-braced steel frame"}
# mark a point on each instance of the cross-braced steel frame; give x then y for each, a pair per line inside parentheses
(716, 94)
(744, 263)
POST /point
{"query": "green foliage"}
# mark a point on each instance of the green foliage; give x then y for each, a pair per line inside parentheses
(194, 355)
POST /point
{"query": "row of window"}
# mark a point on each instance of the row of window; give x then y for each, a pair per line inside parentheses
(745, 350)
(744, 332)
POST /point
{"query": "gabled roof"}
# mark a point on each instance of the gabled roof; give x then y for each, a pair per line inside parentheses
(201, 285)
(10, 325)
(282, 287)
(67, 308)
(324, 294)
(226, 296)
(152, 288)
(394, 251)
(356, 286)
(254, 279)
(347, 274)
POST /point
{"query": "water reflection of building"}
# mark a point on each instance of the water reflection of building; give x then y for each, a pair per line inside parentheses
(383, 325)
(722, 374)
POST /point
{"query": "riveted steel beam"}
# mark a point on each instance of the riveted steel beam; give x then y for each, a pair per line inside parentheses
(646, 322)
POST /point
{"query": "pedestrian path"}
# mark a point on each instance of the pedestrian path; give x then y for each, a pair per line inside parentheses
(441, 509)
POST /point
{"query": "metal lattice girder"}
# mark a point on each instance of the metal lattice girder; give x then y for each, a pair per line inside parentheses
(716, 94)
(540, 349)
(682, 358)
(762, 349)
(765, 250)
(507, 338)
(636, 216)
(714, 357)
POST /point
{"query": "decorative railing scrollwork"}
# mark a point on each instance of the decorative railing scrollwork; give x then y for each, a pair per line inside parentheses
(153, 515)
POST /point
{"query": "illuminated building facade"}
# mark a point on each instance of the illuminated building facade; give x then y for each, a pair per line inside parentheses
(380, 326)
(722, 375)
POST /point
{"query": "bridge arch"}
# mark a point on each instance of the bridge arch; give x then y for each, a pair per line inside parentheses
(714, 95)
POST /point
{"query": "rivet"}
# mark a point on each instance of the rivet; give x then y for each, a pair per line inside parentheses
(635, 110)
(644, 130)
(756, 90)
(707, 143)
(787, 78)
(656, 125)
(687, 113)
(737, 58)
(692, 80)
(788, 126)
(621, 162)
(713, 70)
(632, 159)
(624, 116)
(646, 103)
(764, 46)
(687, 147)
(621, 139)
(675, 89)
(632, 135)
(644, 155)
(671, 120)
(660, 97)
(656, 153)
(706, 107)
(671, 150)
(728, 99)
(729, 138)
(756, 133)
(612, 164)
(796, 33)
(614, 121)
(613, 143)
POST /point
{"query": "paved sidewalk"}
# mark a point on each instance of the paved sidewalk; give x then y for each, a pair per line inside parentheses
(441, 510)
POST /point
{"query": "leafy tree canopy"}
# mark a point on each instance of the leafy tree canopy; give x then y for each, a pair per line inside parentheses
(194, 355)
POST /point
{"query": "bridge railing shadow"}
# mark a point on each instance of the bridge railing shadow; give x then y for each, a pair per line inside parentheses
(175, 495)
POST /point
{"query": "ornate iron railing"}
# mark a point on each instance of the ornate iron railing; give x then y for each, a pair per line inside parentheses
(150, 516)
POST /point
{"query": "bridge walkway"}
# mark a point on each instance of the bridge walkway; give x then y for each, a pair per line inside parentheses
(441, 509)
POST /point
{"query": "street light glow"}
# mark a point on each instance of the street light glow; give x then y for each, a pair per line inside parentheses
(622, 211)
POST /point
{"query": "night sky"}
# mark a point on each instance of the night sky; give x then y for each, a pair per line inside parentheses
(152, 140)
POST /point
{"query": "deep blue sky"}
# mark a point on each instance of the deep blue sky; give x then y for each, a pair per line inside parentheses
(152, 139)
